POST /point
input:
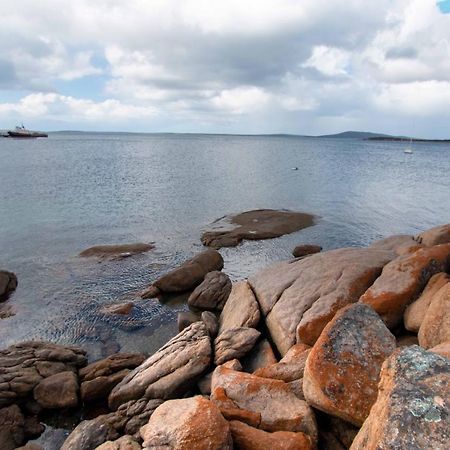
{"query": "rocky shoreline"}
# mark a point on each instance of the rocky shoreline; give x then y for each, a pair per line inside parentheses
(343, 349)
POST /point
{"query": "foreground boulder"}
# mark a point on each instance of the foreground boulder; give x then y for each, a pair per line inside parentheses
(435, 327)
(274, 400)
(58, 391)
(246, 437)
(412, 408)
(402, 281)
(416, 311)
(342, 370)
(186, 277)
(234, 343)
(298, 298)
(212, 293)
(8, 283)
(23, 366)
(435, 236)
(170, 371)
(191, 423)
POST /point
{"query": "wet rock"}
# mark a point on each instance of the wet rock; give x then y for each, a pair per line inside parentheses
(442, 349)
(23, 366)
(116, 251)
(234, 343)
(306, 249)
(435, 236)
(187, 424)
(186, 277)
(121, 308)
(186, 318)
(246, 437)
(170, 371)
(415, 312)
(342, 370)
(261, 356)
(255, 225)
(274, 400)
(411, 411)
(57, 391)
(402, 281)
(241, 308)
(211, 322)
(8, 283)
(435, 327)
(124, 443)
(12, 425)
(212, 293)
(298, 298)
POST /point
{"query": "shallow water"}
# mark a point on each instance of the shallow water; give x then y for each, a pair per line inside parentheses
(61, 195)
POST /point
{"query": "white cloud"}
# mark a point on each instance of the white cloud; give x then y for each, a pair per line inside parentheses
(328, 60)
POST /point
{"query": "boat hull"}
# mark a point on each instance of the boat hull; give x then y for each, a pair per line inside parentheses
(18, 134)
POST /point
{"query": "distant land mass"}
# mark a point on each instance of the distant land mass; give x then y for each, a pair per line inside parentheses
(357, 135)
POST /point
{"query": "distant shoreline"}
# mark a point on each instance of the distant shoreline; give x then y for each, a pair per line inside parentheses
(404, 139)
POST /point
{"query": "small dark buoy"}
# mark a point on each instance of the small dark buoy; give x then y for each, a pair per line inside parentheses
(294, 168)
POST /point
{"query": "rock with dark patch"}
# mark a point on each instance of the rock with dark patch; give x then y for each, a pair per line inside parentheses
(255, 225)
(57, 391)
(234, 343)
(435, 327)
(123, 443)
(342, 370)
(298, 298)
(98, 378)
(211, 322)
(416, 311)
(403, 280)
(212, 293)
(306, 249)
(116, 251)
(187, 424)
(8, 283)
(435, 236)
(12, 423)
(246, 437)
(412, 408)
(186, 318)
(274, 400)
(188, 276)
(261, 356)
(170, 371)
(23, 366)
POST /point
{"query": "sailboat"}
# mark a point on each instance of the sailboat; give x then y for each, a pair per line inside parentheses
(408, 149)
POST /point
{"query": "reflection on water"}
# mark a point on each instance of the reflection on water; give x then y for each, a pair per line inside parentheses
(62, 195)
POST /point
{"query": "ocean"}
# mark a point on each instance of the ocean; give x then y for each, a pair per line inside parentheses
(71, 191)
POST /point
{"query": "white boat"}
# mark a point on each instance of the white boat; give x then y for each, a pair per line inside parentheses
(408, 149)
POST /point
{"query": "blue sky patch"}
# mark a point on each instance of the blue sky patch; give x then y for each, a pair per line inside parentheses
(444, 6)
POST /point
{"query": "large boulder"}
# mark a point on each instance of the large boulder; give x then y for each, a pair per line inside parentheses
(274, 400)
(416, 311)
(57, 391)
(246, 437)
(234, 343)
(23, 366)
(402, 281)
(342, 370)
(8, 283)
(435, 327)
(212, 293)
(412, 408)
(12, 423)
(170, 371)
(298, 298)
(435, 236)
(186, 277)
(187, 424)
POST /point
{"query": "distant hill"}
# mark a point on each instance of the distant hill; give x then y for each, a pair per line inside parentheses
(356, 135)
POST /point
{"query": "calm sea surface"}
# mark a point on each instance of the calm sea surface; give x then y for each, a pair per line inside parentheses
(71, 191)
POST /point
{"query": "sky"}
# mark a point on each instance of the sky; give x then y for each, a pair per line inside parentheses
(229, 66)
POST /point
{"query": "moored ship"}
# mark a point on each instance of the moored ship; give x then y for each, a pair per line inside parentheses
(22, 132)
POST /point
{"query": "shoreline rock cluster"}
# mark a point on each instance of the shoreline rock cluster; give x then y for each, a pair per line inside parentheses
(343, 349)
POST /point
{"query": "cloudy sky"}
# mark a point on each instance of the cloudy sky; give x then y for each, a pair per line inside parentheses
(228, 66)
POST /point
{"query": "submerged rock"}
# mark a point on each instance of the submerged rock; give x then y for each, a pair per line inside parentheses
(8, 283)
(412, 408)
(186, 424)
(212, 293)
(342, 370)
(255, 225)
(116, 251)
(186, 277)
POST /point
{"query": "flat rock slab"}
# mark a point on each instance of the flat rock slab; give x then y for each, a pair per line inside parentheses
(342, 370)
(298, 298)
(403, 280)
(255, 225)
(116, 251)
(170, 371)
(186, 424)
(412, 408)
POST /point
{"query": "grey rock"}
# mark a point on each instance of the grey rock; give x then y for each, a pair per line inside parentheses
(234, 343)
(211, 322)
(212, 293)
